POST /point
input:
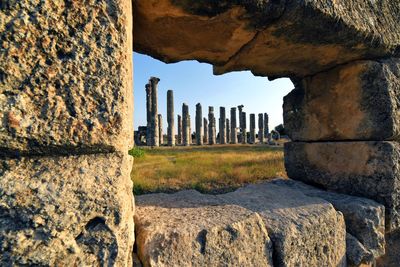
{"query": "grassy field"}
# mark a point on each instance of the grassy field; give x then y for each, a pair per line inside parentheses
(208, 169)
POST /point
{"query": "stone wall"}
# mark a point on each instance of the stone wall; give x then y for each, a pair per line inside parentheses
(65, 129)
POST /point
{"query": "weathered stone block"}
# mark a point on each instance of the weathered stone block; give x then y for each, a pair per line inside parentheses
(392, 256)
(305, 231)
(367, 169)
(65, 76)
(191, 229)
(63, 211)
(365, 218)
(356, 253)
(358, 101)
(270, 38)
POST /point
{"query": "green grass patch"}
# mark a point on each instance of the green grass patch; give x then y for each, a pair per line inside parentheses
(208, 169)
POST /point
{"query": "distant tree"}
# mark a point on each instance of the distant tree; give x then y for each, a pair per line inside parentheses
(280, 129)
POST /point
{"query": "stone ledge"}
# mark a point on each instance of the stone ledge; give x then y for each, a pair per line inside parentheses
(365, 169)
(304, 230)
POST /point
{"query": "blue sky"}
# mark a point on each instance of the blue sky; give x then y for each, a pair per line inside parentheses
(194, 82)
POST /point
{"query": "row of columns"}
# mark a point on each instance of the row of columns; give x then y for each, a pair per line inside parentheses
(205, 129)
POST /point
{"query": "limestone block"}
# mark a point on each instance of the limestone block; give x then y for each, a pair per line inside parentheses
(357, 101)
(305, 231)
(365, 218)
(63, 211)
(366, 169)
(65, 76)
(191, 229)
(270, 38)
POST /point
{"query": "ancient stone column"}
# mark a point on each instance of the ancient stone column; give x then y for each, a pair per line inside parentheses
(170, 118)
(233, 126)
(252, 128)
(205, 138)
(244, 128)
(261, 128)
(211, 127)
(199, 125)
(66, 125)
(148, 114)
(179, 129)
(160, 130)
(222, 129)
(228, 131)
(154, 111)
(185, 125)
(266, 126)
(240, 108)
(190, 130)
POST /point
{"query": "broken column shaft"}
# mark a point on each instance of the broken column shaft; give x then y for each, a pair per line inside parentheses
(160, 130)
(252, 128)
(185, 125)
(170, 118)
(199, 125)
(243, 128)
(233, 126)
(179, 130)
(261, 128)
(266, 126)
(211, 127)
(222, 128)
(154, 111)
(205, 138)
(148, 114)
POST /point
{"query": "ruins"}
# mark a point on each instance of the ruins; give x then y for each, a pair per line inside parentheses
(199, 125)
(179, 130)
(212, 134)
(205, 134)
(66, 126)
(186, 133)
(222, 126)
(233, 126)
(261, 128)
(170, 118)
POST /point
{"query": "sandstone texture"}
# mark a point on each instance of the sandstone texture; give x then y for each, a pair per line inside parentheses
(270, 38)
(365, 218)
(392, 257)
(236, 229)
(191, 229)
(358, 101)
(65, 76)
(367, 169)
(66, 211)
(356, 253)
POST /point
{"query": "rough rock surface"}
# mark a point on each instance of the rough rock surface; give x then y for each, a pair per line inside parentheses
(191, 229)
(273, 38)
(356, 252)
(175, 229)
(63, 211)
(358, 101)
(65, 76)
(365, 218)
(392, 257)
(366, 169)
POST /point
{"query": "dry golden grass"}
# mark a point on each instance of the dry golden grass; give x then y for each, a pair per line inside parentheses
(211, 169)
